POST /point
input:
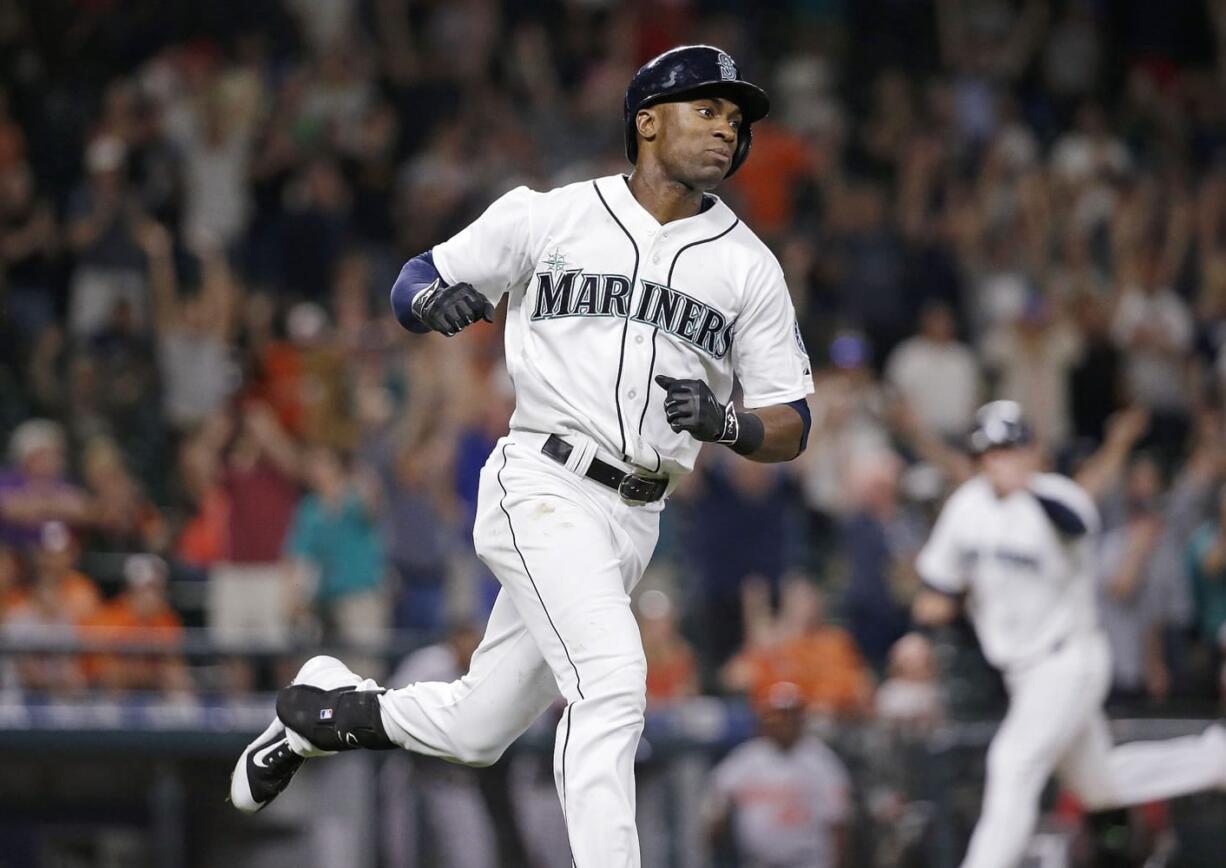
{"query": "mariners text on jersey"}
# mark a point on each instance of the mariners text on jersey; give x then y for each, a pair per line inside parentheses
(678, 314)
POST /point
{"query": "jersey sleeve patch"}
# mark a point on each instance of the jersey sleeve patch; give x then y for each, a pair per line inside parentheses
(768, 351)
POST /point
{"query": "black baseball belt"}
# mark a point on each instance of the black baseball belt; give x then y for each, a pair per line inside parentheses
(632, 488)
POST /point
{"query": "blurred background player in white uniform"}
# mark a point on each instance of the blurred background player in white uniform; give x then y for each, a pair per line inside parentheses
(1016, 548)
(784, 797)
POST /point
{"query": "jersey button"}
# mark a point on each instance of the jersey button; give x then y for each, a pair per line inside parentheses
(638, 339)
(655, 258)
(633, 393)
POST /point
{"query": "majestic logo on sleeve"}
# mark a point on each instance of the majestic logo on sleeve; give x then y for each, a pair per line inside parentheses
(800, 344)
(564, 292)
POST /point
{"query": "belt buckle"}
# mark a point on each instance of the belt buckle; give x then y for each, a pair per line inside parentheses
(636, 490)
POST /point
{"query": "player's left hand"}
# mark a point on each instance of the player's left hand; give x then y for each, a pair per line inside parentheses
(691, 406)
(450, 309)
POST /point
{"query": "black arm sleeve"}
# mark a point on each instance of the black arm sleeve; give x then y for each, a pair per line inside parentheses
(1065, 519)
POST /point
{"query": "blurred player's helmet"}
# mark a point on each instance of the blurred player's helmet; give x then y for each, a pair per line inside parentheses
(685, 72)
(999, 425)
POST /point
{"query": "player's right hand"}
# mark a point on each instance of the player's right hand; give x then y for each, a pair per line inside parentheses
(448, 309)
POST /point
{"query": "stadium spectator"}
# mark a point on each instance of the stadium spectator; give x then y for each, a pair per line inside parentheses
(126, 519)
(1153, 326)
(1143, 591)
(262, 468)
(214, 141)
(56, 581)
(103, 217)
(784, 797)
(10, 579)
(910, 696)
(801, 648)
(140, 616)
(248, 592)
(28, 245)
(34, 490)
(1033, 357)
(58, 598)
(870, 261)
(203, 530)
(937, 375)
(1130, 605)
(768, 187)
(336, 555)
(419, 528)
(733, 501)
(193, 333)
(1096, 380)
(849, 410)
(1207, 573)
(672, 669)
(881, 539)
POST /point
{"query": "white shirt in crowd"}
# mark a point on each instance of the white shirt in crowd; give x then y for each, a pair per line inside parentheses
(1034, 371)
(939, 380)
(784, 804)
(1155, 376)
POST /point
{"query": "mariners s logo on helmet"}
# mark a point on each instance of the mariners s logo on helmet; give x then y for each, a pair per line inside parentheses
(727, 67)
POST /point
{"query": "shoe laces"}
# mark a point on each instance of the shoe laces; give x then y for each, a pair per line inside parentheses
(283, 761)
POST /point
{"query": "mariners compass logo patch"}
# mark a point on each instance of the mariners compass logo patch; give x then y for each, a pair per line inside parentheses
(727, 68)
(555, 262)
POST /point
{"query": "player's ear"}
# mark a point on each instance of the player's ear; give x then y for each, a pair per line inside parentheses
(647, 122)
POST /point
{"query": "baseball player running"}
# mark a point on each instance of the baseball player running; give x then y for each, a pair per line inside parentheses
(632, 304)
(1016, 547)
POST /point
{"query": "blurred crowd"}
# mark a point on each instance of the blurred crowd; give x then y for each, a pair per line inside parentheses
(213, 421)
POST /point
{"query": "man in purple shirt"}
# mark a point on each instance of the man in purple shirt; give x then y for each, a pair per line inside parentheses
(34, 491)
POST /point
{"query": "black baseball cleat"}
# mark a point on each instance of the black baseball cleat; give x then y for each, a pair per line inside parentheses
(264, 770)
(323, 694)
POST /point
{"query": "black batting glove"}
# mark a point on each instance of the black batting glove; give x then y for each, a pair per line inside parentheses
(448, 309)
(691, 406)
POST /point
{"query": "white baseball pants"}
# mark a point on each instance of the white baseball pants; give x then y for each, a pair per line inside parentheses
(1055, 724)
(567, 553)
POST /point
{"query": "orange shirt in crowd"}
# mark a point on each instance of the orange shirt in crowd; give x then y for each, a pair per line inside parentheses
(824, 663)
(76, 597)
(10, 599)
(205, 538)
(280, 384)
(119, 621)
(671, 672)
(767, 183)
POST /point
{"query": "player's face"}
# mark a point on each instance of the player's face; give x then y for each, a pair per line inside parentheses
(695, 140)
(1009, 470)
(784, 726)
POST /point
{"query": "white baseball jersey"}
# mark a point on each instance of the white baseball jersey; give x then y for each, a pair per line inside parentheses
(602, 298)
(784, 803)
(1028, 587)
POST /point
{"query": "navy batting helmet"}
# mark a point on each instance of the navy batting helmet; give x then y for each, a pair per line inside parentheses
(999, 425)
(687, 72)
